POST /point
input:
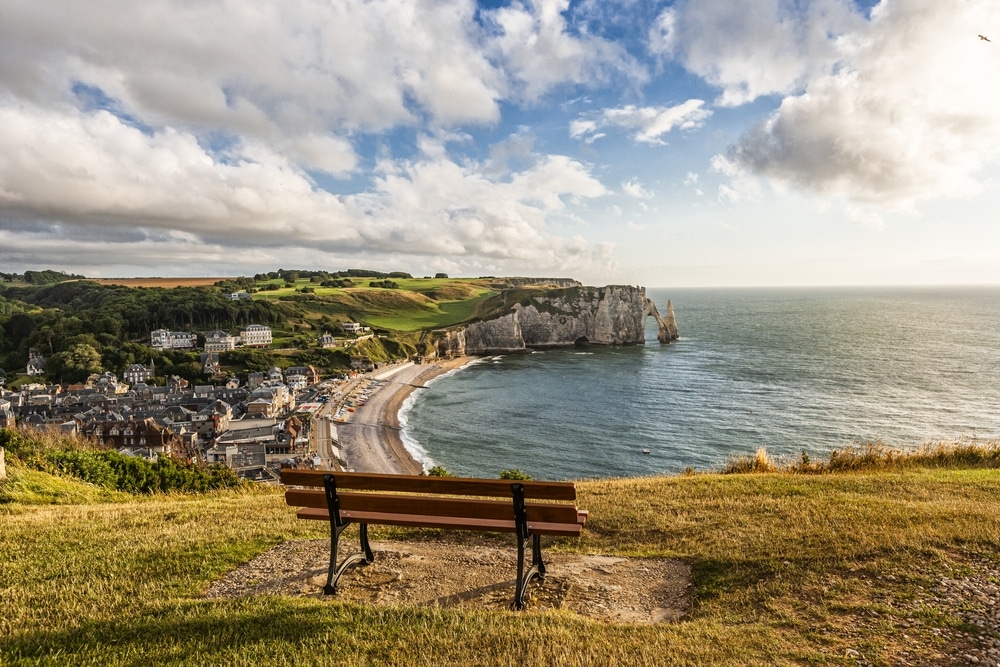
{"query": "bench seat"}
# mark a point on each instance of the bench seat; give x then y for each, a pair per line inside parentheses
(446, 522)
(525, 508)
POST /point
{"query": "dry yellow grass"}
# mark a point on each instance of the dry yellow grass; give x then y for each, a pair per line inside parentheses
(789, 569)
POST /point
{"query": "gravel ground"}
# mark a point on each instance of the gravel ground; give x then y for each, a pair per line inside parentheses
(452, 573)
(976, 600)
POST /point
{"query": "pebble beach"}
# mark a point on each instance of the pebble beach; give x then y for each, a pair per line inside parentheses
(370, 440)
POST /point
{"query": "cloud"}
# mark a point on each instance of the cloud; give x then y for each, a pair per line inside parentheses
(752, 49)
(648, 124)
(908, 117)
(742, 186)
(262, 69)
(633, 188)
(196, 127)
(542, 50)
(96, 176)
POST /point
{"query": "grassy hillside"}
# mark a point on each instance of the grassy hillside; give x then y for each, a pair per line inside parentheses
(789, 569)
(415, 304)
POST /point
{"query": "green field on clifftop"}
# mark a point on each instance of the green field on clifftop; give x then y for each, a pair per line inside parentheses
(415, 304)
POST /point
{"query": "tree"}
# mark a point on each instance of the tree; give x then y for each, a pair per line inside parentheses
(76, 363)
(514, 473)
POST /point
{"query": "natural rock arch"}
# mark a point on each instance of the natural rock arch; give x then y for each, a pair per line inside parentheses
(667, 326)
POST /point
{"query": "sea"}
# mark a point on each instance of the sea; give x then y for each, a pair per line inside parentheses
(799, 372)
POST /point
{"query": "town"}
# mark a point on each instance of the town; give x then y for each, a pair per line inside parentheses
(254, 425)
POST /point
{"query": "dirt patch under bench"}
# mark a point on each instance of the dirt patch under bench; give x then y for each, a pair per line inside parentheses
(447, 572)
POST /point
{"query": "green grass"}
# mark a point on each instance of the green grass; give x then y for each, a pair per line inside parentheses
(417, 304)
(789, 568)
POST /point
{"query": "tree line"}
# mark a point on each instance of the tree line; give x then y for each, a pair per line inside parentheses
(46, 277)
(115, 321)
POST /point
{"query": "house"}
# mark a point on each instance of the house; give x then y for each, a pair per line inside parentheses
(203, 391)
(210, 363)
(275, 440)
(136, 373)
(106, 383)
(261, 407)
(161, 339)
(212, 420)
(6, 415)
(220, 341)
(326, 341)
(240, 457)
(255, 379)
(36, 364)
(179, 415)
(141, 453)
(176, 384)
(256, 335)
(299, 377)
(354, 328)
(270, 401)
(240, 296)
(296, 382)
(132, 434)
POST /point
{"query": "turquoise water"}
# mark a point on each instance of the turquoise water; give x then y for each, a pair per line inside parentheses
(791, 370)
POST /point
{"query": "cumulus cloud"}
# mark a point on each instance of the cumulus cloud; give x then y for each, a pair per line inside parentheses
(260, 68)
(751, 49)
(542, 51)
(196, 127)
(909, 116)
(95, 174)
(647, 124)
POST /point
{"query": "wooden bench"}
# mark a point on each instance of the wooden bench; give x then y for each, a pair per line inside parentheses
(525, 508)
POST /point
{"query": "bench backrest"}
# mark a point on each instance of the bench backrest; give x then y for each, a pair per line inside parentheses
(433, 496)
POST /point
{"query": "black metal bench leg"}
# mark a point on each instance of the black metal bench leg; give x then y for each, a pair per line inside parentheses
(536, 556)
(333, 574)
(337, 526)
(537, 569)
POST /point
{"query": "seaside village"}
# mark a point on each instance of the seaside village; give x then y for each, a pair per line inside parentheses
(255, 427)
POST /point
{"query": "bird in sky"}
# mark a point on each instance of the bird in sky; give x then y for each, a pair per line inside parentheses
(984, 38)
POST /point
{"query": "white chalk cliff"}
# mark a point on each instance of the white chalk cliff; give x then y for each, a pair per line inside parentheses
(611, 315)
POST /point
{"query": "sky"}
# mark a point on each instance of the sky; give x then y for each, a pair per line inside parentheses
(687, 143)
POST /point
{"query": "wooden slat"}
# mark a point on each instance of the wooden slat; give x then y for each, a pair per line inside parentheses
(452, 523)
(459, 486)
(433, 506)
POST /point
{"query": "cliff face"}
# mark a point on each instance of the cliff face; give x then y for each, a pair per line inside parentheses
(612, 315)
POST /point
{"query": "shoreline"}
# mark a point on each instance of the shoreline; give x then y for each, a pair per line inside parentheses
(377, 446)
